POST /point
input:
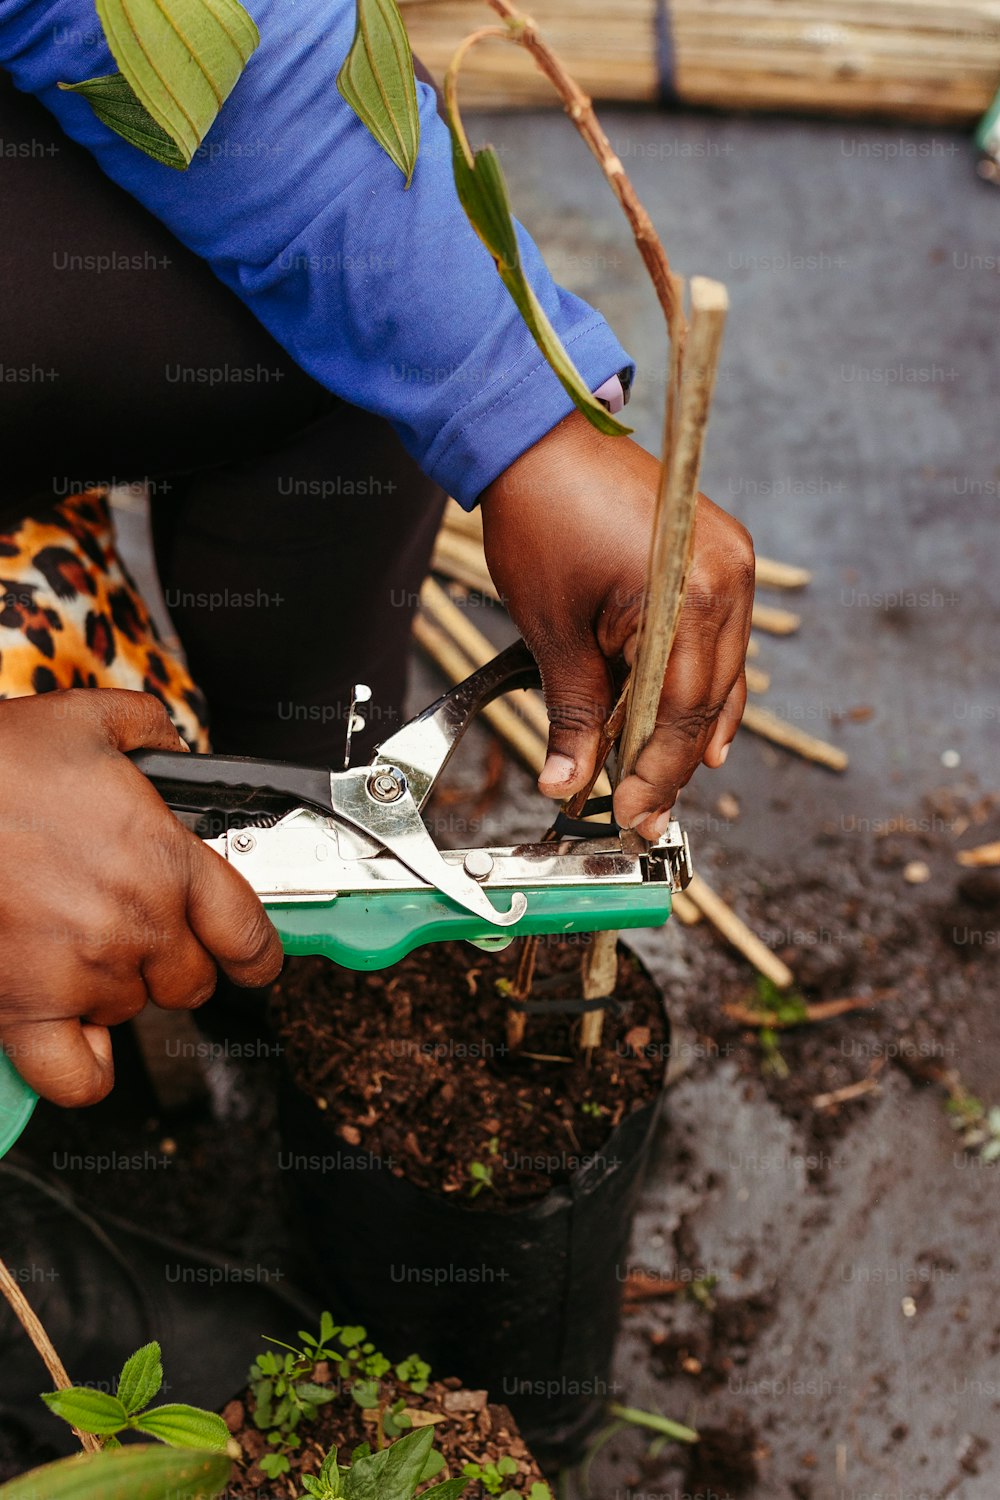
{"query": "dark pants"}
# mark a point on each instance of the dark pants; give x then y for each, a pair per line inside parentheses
(291, 529)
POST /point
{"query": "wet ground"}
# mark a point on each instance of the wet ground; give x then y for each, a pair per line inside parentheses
(855, 1340)
(854, 431)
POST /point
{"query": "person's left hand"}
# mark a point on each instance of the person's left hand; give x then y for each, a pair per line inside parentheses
(566, 530)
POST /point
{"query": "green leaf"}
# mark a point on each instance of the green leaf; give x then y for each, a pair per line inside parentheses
(393, 1473)
(142, 1472)
(352, 1336)
(482, 191)
(141, 1378)
(377, 82)
(180, 60)
(654, 1422)
(540, 1491)
(87, 1410)
(327, 1328)
(273, 1464)
(184, 1427)
(451, 1489)
(113, 101)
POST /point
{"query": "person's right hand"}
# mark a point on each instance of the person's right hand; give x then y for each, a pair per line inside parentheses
(106, 900)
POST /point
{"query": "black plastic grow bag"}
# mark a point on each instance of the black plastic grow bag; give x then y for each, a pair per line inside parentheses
(525, 1304)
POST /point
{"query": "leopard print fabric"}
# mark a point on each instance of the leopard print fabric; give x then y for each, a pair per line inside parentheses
(71, 617)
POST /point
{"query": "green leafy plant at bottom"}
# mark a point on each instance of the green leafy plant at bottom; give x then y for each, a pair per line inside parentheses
(391, 1474)
(142, 1472)
(286, 1393)
(105, 1415)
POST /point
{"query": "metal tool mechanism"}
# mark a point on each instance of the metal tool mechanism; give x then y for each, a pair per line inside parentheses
(346, 866)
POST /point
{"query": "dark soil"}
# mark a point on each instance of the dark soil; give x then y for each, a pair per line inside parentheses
(468, 1428)
(411, 1064)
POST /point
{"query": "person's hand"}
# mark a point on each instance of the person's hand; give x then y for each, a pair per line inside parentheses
(106, 900)
(567, 530)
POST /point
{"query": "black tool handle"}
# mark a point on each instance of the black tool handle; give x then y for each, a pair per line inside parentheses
(183, 780)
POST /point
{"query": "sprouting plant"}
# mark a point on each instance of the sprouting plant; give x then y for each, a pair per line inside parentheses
(772, 1059)
(493, 1477)
(978, 1125)
(392, 1473)
(481, 1172)
(701, 1290)
(786, 1006)
(594, 1110)
(98, 1412)
(287, 1393)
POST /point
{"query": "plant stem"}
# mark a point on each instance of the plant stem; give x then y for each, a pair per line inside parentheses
(580, 109)
(32, 1326)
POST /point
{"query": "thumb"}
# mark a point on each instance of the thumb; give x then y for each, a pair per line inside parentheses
(577, 688)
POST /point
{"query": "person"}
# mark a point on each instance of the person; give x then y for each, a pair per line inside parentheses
(300, 355)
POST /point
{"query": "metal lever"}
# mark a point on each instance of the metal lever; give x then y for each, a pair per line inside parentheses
(424, 746)
(381, 806)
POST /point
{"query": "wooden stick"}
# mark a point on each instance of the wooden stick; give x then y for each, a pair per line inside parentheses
(844, 1095)
(736, 931)
(757, 681)
(770, 727)
(984, 855)
(779, 575)
(666, 575)
(819, 1010)
(32, 1326)
(775, 621)
(684, 908)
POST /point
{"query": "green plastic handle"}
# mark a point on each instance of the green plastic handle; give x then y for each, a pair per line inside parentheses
(17, 1101)
(372, 931)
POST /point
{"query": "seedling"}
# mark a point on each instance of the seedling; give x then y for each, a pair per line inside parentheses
(592, 1109)
(286, 1392)
(481, 1172)
(493, 1477)
(978, 1125)
(105, 1416)
(391, 1474)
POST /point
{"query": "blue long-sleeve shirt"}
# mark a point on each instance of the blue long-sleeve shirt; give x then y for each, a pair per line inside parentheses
(383, 295)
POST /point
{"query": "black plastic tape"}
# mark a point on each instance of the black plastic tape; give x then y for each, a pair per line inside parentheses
(666, 59)
(524, 1304)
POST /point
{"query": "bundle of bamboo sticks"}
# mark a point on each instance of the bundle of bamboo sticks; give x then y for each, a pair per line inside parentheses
(936, 61)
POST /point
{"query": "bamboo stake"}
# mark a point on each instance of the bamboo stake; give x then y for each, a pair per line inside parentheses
(770, 727)
(669, 559)
(736, 931)
(757, 681)
(775, 621)
(779, 575)
(32, 1326)
(984, 855)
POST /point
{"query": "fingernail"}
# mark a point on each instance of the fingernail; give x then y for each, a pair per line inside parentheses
(722, 755)
(558, 770)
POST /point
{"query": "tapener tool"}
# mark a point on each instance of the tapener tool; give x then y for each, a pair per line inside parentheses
(346, 867)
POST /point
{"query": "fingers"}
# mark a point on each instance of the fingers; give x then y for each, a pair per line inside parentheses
(134, 721)
(704, 690)
(728, 722)
(68, 1062)
(229, 921)
(577, 689)
(180, 975)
